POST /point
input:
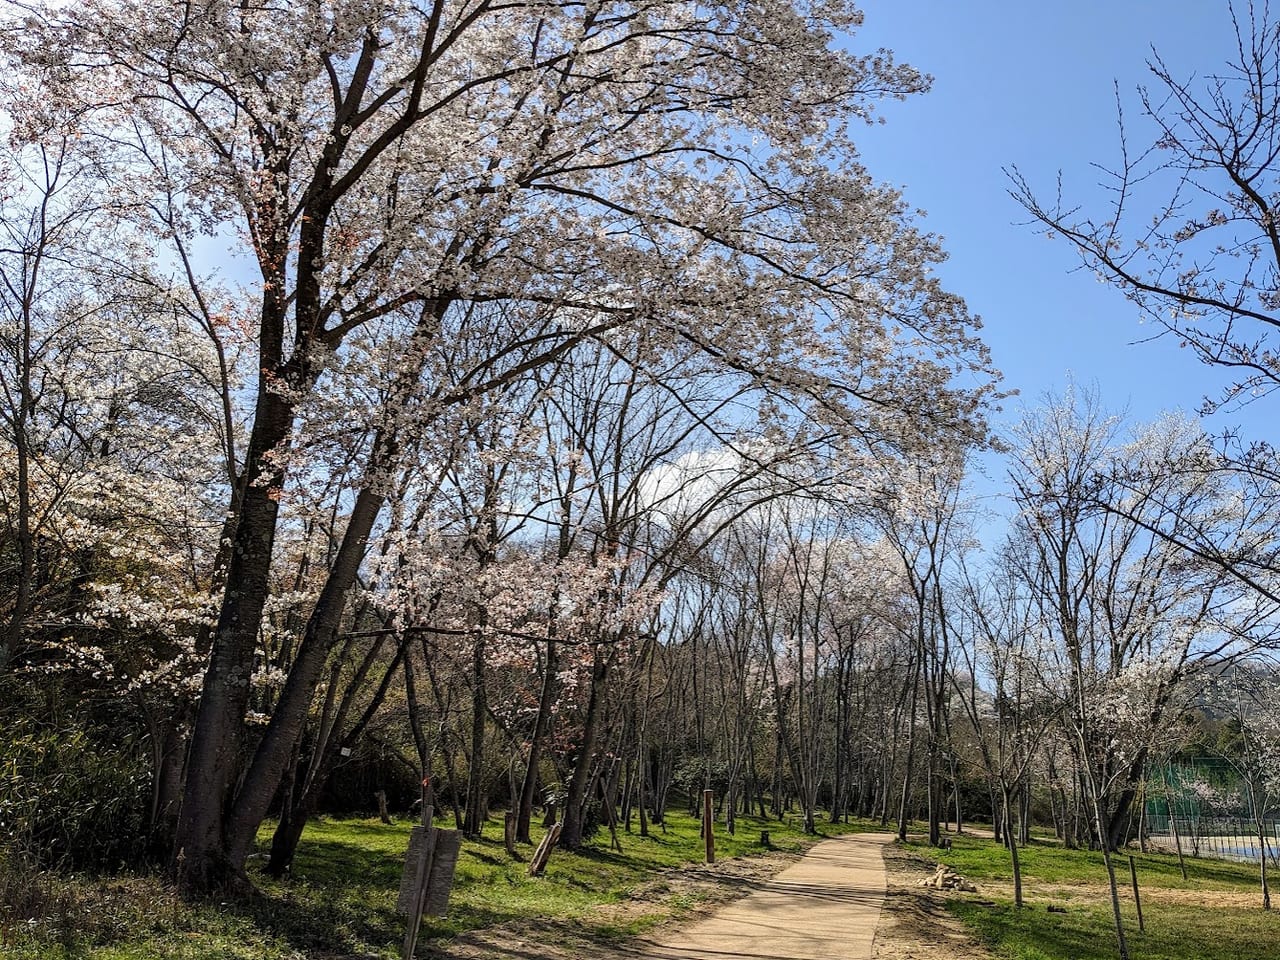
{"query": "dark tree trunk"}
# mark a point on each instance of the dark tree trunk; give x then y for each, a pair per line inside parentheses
(166, 796)
(546, 700)
(280, 740)
(297, 808)
(202, 861)
(575, 802)
(473, 811)
(1120, 821)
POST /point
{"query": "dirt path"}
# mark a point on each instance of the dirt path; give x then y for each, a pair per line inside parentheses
(915, 923)
(825, 905)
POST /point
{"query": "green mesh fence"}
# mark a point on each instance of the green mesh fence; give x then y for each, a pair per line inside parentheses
(1203, 806)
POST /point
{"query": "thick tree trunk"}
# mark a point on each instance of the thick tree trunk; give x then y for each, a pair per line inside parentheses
(278, 743)
(218, 824)
(166, 793)
(1121, 821)
(201, 858)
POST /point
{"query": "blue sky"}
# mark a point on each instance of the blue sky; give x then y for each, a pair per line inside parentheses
(1033, 84)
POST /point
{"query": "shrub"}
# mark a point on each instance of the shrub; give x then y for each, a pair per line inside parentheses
(66, 800)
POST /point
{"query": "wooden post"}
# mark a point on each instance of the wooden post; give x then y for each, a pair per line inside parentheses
(422, 874)
(445, 847)
(383, 814)
(1137, 900)
(543, 853)
(509, 832)
(708, 826)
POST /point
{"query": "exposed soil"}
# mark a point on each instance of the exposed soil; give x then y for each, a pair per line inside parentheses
(915, 923)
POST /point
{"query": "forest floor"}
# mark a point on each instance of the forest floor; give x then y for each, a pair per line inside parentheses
(338, 903)
(645, 902)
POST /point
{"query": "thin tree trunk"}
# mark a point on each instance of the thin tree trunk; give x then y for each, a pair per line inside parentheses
(1013, 849)
(472, 821)
(529, 786)
(575, 802)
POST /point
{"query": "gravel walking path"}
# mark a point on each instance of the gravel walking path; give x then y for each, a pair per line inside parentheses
(823, 907)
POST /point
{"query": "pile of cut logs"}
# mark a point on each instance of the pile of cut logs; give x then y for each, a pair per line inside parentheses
(944, 878)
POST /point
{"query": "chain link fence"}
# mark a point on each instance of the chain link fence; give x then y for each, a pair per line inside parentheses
(1221, 838)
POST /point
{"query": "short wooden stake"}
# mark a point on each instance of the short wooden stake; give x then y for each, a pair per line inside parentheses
(543, 853)
(1137, 900)
(708, 826)
(383, 814)
(509, 832)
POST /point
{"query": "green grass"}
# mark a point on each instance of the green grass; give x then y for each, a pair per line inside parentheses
(1051, 863)
(1185, 919)
(1086, 933)
(340, 899)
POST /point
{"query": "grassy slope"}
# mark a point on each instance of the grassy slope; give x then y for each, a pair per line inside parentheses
(340, 901)
(1215, 913)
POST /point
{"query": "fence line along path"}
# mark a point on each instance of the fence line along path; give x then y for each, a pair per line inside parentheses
(826, 905)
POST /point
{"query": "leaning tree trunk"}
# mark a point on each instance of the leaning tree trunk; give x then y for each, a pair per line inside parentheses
(287, 720)
(575, 803)
(529, 787)
(305, 783)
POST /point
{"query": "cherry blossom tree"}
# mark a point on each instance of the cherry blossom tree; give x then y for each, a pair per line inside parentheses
(1189, 231)
(1249, 694)
(116, 445)
(393, 176)
(1126, 618)
(925, 525)
(1000, 693)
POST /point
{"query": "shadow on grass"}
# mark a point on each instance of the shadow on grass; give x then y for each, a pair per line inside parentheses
(332, 862)
(1052, 936)
(340, 899)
